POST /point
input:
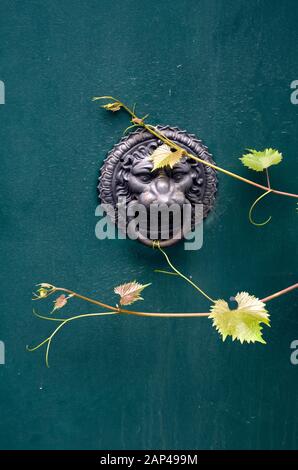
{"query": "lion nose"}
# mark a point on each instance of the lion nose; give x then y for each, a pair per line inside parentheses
(163, 185)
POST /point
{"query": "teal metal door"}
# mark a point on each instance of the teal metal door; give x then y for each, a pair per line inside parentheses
(219, 69)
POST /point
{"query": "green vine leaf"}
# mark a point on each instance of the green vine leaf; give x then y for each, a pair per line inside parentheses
(43, 291)
(112, 106)
(242, 323)
(130, 292)
(163, 156)
(259, 161)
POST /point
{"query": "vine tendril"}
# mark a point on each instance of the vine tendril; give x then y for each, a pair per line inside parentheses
(62, 323)
(258, 224)
(175, 271)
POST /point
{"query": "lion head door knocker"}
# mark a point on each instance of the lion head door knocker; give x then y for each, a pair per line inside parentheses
(160, 205)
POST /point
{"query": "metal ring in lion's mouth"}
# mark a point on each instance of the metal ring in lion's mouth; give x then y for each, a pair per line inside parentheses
(119, 177)
(162, 243)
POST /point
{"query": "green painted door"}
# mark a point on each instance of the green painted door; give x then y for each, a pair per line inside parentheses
(222, 70)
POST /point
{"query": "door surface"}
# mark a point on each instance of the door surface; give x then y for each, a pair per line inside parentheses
(219, 69)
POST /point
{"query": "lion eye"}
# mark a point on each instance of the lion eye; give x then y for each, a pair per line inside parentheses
(178, 176)
(146, 177)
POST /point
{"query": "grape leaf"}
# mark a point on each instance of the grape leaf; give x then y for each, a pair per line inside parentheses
(41, 292)
(112, 106)
(242, 323)
(258, 161)
(163, 156)
(130, 292)
(60, 302)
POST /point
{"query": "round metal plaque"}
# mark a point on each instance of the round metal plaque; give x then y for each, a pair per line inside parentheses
(156, 205)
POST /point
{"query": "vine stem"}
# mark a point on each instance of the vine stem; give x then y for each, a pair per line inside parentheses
(268, 178)
(279, 293)
(172, 144)
(129, 312)
(152, 314)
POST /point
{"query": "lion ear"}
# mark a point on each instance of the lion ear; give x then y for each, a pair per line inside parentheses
(125, 176)
(127, 162)
(125, 167)
(122, 176)
(193, 174)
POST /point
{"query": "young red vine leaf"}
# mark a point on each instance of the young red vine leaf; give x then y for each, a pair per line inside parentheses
(130, 292)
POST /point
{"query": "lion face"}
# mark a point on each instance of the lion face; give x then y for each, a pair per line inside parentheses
(163, 186)
(166, 190)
